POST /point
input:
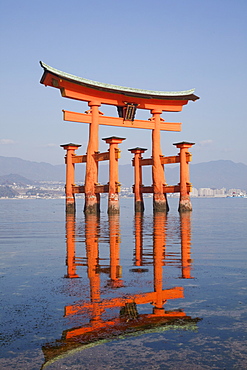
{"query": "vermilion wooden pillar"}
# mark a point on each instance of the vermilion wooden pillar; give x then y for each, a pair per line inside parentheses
(184, 202)
(127, 100)
(70, 176)
(92, 200)
(113, 198)
(139, 204)
(159, 198)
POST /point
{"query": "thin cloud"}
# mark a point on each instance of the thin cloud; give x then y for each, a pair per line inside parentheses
(7, 141)
(203, 145)
(205, 142)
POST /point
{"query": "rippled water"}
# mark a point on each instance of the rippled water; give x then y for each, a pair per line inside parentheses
(123, 292)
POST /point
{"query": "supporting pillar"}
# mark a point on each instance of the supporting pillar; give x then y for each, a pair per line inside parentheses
(92, 200)
(70, 176)
(113, 198)
(139, 204)
(159, 198)
(184, 202)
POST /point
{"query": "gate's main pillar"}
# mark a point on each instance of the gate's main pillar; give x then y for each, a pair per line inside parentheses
(92, 200)
(159, 198)
(113, 198)
(70, 176)
(184, 202)
(139, 204)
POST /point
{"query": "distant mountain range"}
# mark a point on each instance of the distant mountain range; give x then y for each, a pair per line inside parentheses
(15, 178)
(214, 174)
(35, 171)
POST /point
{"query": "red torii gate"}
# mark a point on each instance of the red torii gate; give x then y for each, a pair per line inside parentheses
(127, 100)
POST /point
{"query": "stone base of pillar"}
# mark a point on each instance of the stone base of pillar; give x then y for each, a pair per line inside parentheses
(113, 204)
(139, 206)
(92, 205)
(185, 205)
(113, 209)
(70, 207)
(160, 203)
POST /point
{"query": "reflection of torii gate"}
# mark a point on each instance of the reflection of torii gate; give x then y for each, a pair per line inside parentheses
(96, 306)
(98, 326)
(127, 100)
(182, 259)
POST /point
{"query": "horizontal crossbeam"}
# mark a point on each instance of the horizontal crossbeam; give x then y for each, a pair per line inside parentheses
(79, 158)
(102, 156)
(166, 189)
(146, 162)
(169, 160)
(120, 122)
(116, 323)
(80, 189)
(143, 298)
(105, 156)
(164, 160)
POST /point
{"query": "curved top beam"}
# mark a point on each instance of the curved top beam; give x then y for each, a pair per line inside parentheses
(83, 89)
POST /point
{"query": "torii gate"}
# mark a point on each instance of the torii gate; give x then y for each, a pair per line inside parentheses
(127, 100)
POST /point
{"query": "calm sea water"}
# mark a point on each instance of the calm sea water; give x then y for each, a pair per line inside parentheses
(180, 284)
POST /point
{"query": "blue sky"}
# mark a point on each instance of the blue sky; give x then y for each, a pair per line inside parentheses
(156, 45)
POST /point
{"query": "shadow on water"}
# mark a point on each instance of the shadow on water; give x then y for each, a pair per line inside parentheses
(114, 309)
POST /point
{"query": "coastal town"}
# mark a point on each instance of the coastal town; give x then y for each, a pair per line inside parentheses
(55, 190)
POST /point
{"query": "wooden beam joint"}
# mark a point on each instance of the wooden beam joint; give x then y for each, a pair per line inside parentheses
(98, 188)
(166, 188)
(120, 122)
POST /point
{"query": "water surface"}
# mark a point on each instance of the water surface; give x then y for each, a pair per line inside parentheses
(128, 292)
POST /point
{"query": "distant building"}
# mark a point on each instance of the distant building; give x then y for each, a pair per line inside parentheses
(220, 192)
(205, 192)
(194, 192)
(236, 193)
(217, 193)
